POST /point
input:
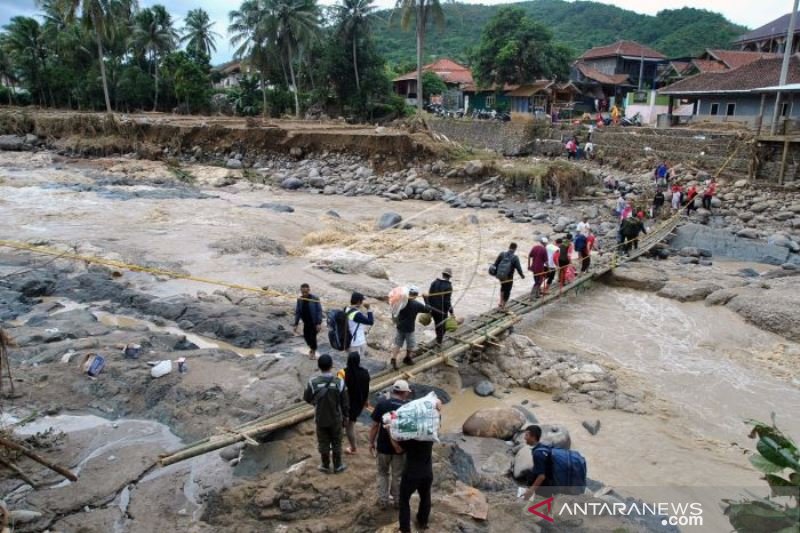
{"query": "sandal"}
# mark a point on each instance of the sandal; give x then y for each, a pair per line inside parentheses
(350, 451)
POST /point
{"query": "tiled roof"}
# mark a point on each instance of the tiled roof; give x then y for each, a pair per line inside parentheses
(622, 48)
(596, 75)
(447, 69)
(777, 27)
(531, 88)
(758, 74)
(737, 58)
(709, 65)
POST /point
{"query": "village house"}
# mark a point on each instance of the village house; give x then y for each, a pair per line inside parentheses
(454, 75)
(712, 60)
(771, 37)
(744, 95)
(229, 74)
(605, 74)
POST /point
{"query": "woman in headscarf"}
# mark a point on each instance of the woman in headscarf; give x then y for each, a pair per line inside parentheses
(357, 380)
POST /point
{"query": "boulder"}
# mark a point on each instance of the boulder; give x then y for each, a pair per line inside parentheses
(484, 388)
(688, 291)
(722, 243)
(13, 143)
(388, 220)
(430, 195)
(555, 435)
(292, 184)
(637, 276)
(233, 164)
(591, 426)
(494, 422)
(474, 168)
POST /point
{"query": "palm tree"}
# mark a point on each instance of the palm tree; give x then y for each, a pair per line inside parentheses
(420, 11)
(197, 32)
(24, 42)
(96, 15)
(154, 34)
(291, 24)
(7, 74)
(353, 18)
(244, 27)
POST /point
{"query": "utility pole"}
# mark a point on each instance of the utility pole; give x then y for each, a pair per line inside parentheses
(787, 57)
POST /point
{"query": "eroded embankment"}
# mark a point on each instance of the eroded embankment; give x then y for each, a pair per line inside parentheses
(157, 136)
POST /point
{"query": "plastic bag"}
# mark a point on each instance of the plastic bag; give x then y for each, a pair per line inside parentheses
(398, 299)
(418, 420)
(162, 368)
(425, 319)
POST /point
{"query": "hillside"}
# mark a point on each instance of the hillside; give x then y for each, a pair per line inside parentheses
(579, 25)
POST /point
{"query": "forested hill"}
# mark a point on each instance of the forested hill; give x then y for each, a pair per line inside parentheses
(580, 25)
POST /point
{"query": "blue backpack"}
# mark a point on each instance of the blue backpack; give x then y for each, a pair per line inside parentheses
(580, 242)
(339, 329)
(569, 471)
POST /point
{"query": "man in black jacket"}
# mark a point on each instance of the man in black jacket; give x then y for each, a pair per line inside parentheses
(309, 310)
(328, 394)
(505, 265)
(439, 299)
(406, 321)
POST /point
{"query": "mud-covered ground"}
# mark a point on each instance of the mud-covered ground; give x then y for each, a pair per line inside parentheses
(243, 361)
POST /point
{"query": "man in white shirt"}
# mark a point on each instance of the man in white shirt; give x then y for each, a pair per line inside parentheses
(551, 266)
(584, 227)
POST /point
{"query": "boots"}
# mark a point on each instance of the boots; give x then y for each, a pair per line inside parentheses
(536, 292)
(338, 466)
(394, 364)
(408, 360)
(325, 464)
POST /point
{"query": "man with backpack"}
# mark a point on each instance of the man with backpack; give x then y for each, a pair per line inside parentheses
(406, 324)
(555, 471)
(328, 394)
(504, 266)
(584, 252)
(439, 299)
(309, 310)
(389, 462)
(357, 322)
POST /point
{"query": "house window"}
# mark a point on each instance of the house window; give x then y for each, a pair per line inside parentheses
(490, 101)
(714, 109)
(785, 109)
(730, 110)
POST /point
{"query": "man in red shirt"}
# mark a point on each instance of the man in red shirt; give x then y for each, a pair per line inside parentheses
(708, 194)
(537, 263)
(690, 196)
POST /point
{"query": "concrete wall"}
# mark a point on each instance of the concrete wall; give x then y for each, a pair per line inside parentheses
(508, 138)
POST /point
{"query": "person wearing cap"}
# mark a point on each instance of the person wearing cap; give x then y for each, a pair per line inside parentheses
(358, 321)
(406, 322)
(537, 263)
(328, 394)
(389, 462)
(439, 299)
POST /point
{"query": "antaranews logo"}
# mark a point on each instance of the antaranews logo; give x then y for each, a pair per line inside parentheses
(673, 514)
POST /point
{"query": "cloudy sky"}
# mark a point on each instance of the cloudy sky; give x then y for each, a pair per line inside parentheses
(750, 13)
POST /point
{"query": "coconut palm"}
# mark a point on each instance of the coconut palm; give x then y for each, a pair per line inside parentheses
(7, 73)
(24, 42)
(420, 11)
(353, 17)
(197, 32)
(154, 34)
(97, 15)
(291, 24)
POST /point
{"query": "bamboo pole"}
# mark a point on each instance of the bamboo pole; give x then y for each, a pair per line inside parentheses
(14, 468)
(38, 458)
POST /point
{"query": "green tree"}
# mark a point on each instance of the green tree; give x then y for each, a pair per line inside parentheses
(197, 33)
(353, 20)
(420, 11)
(7, 73)
(24, 42)
(190, 82)
(97, 15)
(154, 34)
(515, 49)
(432, 84)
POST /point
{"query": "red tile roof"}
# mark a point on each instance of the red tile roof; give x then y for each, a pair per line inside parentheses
(596, 75)
(709, 65)
(758, 74)
(447, 69)
(737, 58)
(622, 48)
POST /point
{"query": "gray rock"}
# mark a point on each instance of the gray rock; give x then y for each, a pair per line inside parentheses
(748, 233)
(12, 143)
(591, 426)
(388, 220)
(329, 190)
(292, 184)
(430, 195)
(688, 291)
(495, 422)
(474, 202)
(279, 208)
(318, 182)
(332, 213)
(296, 151)
(722, 243)
(30, 138)
(484, 388)
(234, 164)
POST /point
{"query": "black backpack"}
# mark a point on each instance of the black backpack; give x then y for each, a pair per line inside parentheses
(580, 243)
(563, 255)
(326, 401)
(506, 266)
(339, 329)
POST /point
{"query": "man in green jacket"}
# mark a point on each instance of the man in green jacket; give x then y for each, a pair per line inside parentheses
(328, 394)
